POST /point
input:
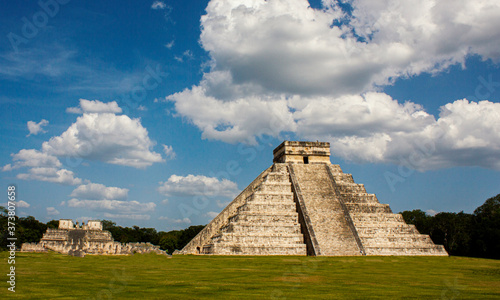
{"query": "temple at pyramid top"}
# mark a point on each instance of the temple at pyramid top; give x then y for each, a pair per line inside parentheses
(304, 205)
(302, 152)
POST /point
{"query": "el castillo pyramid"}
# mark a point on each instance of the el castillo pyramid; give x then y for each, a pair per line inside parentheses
(304, 205)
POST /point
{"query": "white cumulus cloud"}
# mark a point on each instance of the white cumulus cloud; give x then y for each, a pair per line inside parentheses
(128, 217)
(97, 191)
(113, 200)
(158, 5)
(51, 211)
(32, 158)
(169, 152)
(282, 66)
(198, 185)
(115, 139)
(61, 176)
(95, 106)
(176, 221)
(118, 206)
(22, 204)
(35, 128)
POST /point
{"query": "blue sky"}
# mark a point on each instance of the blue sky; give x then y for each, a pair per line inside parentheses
(158, 113)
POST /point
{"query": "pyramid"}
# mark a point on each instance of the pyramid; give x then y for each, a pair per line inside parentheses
(304, 205)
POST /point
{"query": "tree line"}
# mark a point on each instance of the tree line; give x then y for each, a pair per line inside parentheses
(168, 241)
(462, 234)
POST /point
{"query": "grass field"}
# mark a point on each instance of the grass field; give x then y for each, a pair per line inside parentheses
(56, 276)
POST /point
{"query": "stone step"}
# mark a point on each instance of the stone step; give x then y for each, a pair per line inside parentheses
(277, 177)
(280, 167)
(274, 187)
(342, 178)
(336, 169)
(368, 208)
(264, 228)
(359, 198)
(324, 189)
(321, 198)
(375, 224)
(431, 250)
(361, 218)
(238, 249)
(415, 241)
(261, 234)
(265, 217)
(258, 239)
(347, 188)
(267, 207)
(273, 202)
(269, 196)
(384, 230)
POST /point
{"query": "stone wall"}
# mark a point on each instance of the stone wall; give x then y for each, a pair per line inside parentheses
(66, 224)
(302, 152)
(32, 247)
(80, 242)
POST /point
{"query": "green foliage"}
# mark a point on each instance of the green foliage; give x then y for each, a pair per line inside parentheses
(418, 218)
(168, 241)
(3, 228)
(463, 234)
(27, 230)
(3, 211)
(188, 234)
(486, 229)
(177, 239)
(453, 231)
(54, 224)
(30, 230)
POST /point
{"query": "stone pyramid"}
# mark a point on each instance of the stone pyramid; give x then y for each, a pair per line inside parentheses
(304, 205)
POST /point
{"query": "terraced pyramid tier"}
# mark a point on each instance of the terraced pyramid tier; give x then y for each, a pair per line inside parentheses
(304, 205)
(265, 224)
(380, 231)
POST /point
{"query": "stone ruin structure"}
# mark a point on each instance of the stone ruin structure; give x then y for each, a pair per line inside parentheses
(88, 238)
(304, 205)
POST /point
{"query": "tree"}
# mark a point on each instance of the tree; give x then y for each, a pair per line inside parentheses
(452, 230)
(177, 239)
(419, 218)
(188, 234)
(486, 229)
(30, 230)
(107, 224)
(54, 224)
(4, 233)
(169, 241)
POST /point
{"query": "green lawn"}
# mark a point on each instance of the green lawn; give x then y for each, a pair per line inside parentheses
(56, 276)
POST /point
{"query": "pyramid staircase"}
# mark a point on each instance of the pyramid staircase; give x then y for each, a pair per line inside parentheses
(381, 232)
(265, 224)
(295, 208)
